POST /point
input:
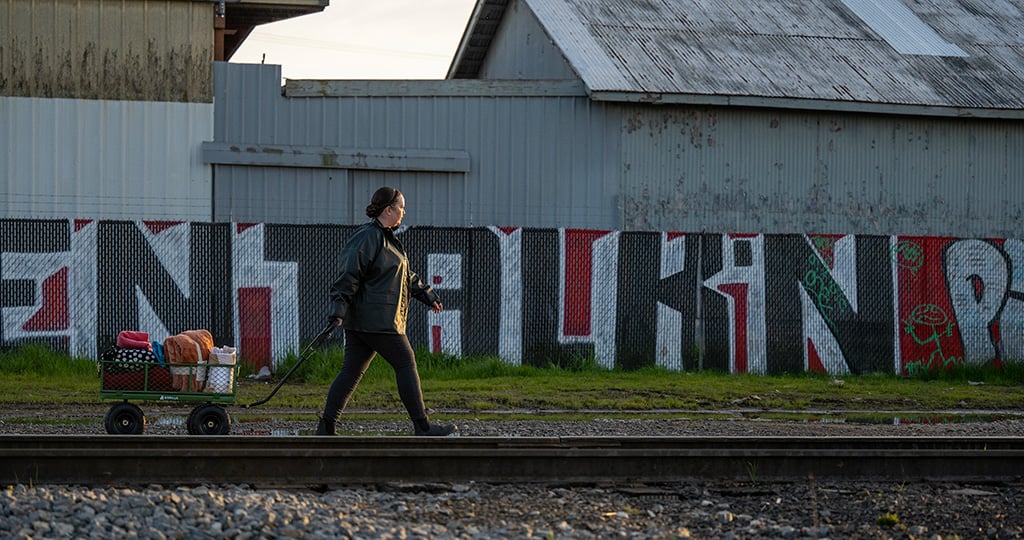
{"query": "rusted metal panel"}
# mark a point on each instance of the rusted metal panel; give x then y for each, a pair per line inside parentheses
(92, 159)
(142, 50)
(428, 88)
(336, 158)
(735, 170)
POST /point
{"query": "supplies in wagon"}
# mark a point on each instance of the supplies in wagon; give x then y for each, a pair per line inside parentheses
(221, 370)
(187, 354)
(133, 365)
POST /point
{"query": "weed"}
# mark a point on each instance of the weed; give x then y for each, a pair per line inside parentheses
(888, 520)
(632, 510)
(40, 360)
(993, 373)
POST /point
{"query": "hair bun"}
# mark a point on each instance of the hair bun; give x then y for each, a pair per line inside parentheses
(382, 198)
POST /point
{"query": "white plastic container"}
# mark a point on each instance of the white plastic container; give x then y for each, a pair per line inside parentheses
(220, 371)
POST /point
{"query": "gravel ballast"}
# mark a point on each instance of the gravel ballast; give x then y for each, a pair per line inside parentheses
(810, 508)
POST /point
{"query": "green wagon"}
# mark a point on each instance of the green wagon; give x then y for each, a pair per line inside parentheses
(208, 385)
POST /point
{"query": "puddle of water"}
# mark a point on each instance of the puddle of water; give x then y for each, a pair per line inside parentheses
(253, 432)
(950, 419)
(250, 432)
(237, 427)
(911, 419)
(166, 420)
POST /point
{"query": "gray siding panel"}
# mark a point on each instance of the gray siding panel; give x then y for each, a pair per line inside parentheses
(523, 50)
(281, 195)
(543, 158)
(98, 159)
(782, 172)
(554, 160)
(598, 68)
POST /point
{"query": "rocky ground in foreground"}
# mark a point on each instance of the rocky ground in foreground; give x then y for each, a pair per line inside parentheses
(807, 509)
(701, 510)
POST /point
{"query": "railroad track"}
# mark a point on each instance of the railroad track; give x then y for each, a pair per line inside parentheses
(328, 461)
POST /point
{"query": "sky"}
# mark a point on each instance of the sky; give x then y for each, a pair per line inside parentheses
(359, 39)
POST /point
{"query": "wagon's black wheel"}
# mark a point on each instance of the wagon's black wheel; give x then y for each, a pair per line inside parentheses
(209, 420)
(125, 419)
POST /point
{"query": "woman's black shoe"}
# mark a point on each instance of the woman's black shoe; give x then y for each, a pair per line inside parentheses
(322, 428)
(439, 430)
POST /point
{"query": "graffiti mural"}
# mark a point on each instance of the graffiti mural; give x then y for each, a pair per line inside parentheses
(740, 303)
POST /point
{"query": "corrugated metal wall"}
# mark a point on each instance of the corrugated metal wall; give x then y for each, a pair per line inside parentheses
(541, 158)
(522, 50)
(91, 159)
(766, 171)
(564, 161)
(147, 50)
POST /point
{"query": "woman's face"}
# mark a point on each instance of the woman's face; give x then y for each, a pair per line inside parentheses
(392, 215)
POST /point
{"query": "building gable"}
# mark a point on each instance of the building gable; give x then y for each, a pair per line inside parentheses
(940, 57)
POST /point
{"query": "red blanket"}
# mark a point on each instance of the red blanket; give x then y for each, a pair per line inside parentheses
(130, 339)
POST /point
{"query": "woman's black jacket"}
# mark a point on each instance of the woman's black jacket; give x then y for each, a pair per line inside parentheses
(372, 293)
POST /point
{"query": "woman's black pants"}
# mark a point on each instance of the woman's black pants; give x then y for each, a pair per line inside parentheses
(359, 350)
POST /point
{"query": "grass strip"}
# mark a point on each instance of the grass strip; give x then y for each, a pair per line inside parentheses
(35, 374)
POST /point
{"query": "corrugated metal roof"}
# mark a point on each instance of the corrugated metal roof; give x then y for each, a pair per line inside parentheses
(795, 54)
(902, 28)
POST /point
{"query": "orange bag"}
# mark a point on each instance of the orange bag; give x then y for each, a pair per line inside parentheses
(189, 347)
(204, 339)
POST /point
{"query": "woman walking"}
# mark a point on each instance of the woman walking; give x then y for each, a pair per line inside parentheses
(370, 300)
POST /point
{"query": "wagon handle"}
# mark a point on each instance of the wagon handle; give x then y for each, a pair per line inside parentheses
(302, 358)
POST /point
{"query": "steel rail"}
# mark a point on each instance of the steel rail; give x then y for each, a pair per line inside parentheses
(318, 461)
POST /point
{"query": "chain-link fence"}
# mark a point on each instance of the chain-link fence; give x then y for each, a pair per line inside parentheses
(735, 303)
